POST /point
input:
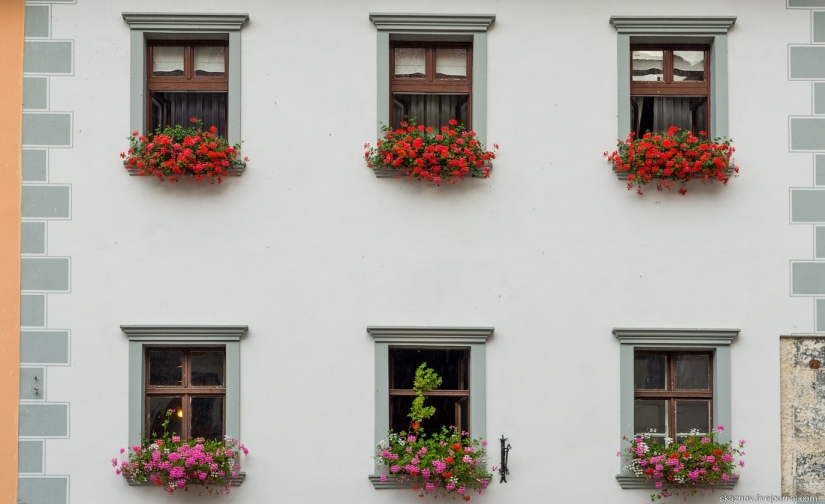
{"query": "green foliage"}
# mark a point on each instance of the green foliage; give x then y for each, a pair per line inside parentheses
(425, 380)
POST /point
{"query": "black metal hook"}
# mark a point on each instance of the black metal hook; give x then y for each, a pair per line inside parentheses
(503, 471)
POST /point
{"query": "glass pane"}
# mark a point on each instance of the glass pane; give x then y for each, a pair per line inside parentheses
(431, 109)
(451, 63)
(158, 406)
(176, 108)
(167, 61)
(410, 62)
(649, 371)
(692, 415)
(210, 61)
(207, 368)
(448, 410)
(650, 416)
(692, 372)
(688, 66)
(648, 65)
(165, 367)
(207, 417)
(451, 366)
(659, 113)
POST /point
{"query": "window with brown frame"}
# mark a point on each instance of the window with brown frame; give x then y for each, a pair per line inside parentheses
(431, 82)
(187, 79)
(673, 393)
(190, 381)
(451, 400)
(670, 86)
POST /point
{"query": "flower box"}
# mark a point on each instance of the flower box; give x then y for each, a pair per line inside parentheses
(685, 467)
(425, 154)
(672, 157)
(177, 153)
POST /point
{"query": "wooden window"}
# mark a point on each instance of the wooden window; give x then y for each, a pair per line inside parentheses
(451, 400)
(669, 86)
(431, 82)
(187, 79)
(673, 393)
(190, 381)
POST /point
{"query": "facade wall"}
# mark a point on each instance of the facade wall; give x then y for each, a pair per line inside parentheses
(307, 248)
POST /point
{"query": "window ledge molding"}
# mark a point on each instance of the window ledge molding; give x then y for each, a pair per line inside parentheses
(676, 338)
(390, 173)
(427, 335)
(390, 484)
(233, 482)
(236, 170)
(672, 25)
(183, 333)
(629, 482)
(184, 21)
(431, 23)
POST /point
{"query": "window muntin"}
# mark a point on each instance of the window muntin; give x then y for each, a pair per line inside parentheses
(190, 381)
(451, 399)
(673, 392)
(187, 79)
(669, 86)
(431, 82)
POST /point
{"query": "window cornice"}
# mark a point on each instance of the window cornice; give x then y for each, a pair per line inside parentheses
(183, 22)
(424, 335)
(431, 23)
(184, 333)
(672, 25)
(675, 338)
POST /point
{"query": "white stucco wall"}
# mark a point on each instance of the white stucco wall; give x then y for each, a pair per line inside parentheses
(307, 248)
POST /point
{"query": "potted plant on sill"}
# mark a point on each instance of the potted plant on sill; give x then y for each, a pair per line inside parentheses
(685, 467)
(673, 157)
(177, 153)
(176, 464)
(444, 463)
(425, 154)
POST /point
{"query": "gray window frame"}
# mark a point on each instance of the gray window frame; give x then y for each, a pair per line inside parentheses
(186, 26)
(710, 30)
(434, 27)
(717, 341)
(472, 338)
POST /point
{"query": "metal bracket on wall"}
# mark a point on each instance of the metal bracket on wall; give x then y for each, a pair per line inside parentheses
(503, 471)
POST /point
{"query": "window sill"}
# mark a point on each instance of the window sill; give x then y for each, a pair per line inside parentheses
(629, 482)
(236, 170)
(233, 482)
(391, 173)
(623, 175)
(390, 484)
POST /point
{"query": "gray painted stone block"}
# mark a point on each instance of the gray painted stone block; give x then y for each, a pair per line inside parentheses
(44, 420)
(48, 56)
(46, 201)
(819, 169)
(44, 347)
(35, 162)
(51, 129)
(33, 310)
(35, 93)
(44, 274)
(30, 456)
(33, 238)
(807, 205)
(806, 3)
(37, 21)
(819, 250)
(32, 378)
(807, 278)
(807, 133)
(807, 62)
(819, 96)
(820, 315)
(43, 490)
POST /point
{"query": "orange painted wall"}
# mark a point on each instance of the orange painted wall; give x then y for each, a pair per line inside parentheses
(12, 24)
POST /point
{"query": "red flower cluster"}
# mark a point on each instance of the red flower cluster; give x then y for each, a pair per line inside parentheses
(178, 152)
(673, 156)
(423, 153)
